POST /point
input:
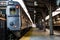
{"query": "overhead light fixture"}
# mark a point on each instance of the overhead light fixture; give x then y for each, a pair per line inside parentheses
(34, 11)
(42, 20)
(53, 13)
(58, 18)
(58, 2)
(35, 3)
(54, 22)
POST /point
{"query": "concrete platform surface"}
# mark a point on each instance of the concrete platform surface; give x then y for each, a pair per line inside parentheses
(36, 34)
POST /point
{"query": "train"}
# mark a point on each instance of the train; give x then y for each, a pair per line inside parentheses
(13, 20)
(10, 20)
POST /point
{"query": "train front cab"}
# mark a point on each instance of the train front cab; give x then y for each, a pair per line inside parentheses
(11, 10)
(13, 19)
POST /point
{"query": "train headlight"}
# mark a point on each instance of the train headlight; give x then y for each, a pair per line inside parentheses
(17, 6)
(15, 26)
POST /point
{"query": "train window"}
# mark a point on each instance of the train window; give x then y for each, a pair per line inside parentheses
(12, 11)
(3, 11)
(0, 12)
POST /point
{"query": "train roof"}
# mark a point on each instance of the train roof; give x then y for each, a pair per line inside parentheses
(6, 3)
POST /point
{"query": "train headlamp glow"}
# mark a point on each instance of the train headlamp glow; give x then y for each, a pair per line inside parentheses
(17, 6)
(15, 26)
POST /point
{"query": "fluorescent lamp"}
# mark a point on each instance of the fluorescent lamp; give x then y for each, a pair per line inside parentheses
(58, 18)
(42, 20)
(35, 3)
(47, 17)
(53, 14)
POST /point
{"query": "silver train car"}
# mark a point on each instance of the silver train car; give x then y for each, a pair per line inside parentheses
(11, 12)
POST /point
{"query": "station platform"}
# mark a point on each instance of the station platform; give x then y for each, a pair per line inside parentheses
(36, 34)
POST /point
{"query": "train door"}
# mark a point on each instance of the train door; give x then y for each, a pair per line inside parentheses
(2, 23)
(13, 18)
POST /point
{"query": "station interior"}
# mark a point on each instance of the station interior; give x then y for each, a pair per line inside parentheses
(30, 20)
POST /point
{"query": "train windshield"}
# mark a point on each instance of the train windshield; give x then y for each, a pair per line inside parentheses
(12, 11)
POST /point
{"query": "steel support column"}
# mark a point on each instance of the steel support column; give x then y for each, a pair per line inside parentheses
(44, 25)
(50, 21)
